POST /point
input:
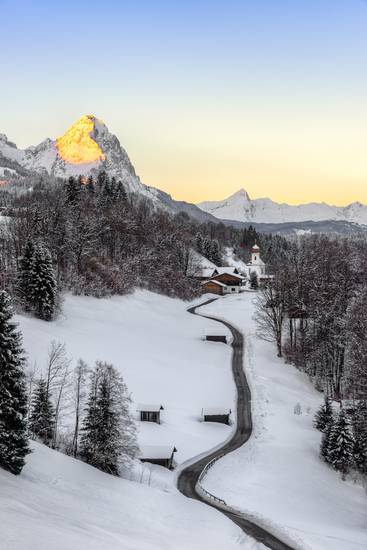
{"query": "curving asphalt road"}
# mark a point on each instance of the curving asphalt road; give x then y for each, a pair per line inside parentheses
(189, 476)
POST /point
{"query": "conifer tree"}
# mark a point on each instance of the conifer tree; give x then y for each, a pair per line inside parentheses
(73, 191)
(120, 193)
(109, 436)
(90, 185)
(13, 398)
(215, 256)
(199, 242)
(25, 274)
(254, 282)
(41, 421)
(324, 416)
(341, 444)
(360, 433)
(43, 287)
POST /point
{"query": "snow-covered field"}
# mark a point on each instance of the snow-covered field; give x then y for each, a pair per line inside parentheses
(278, 475)
(159, 349)
(59, 503)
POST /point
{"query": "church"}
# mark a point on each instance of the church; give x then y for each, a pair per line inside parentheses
(257, 265)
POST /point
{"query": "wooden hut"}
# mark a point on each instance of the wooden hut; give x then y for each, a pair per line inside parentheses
(215, 335)
(216, 414)
(158, 454)
(150, 413)
(214, 287)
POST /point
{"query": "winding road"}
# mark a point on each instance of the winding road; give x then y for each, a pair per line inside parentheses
(189, 477)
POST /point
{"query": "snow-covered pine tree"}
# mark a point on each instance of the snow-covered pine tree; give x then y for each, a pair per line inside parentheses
(324, 416)
(254, 283)
(109, 433)
(41, 421)
(341, 444)
(43, 287)
(120, 193)
(24, 276)
(90, 185)
(72, 191)
(360, 434)
(199, 242)
(215, 256)
(13, 397)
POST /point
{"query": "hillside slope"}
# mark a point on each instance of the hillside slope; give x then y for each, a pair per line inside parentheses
(278, 476)
(58, 502)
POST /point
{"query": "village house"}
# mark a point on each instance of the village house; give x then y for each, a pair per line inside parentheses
(158, 454)
(150, 413)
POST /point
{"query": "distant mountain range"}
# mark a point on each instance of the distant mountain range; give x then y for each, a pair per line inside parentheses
(241, 208)
(88, 147)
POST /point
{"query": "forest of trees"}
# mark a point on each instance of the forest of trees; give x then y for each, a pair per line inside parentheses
(88, 237)
(316, 312)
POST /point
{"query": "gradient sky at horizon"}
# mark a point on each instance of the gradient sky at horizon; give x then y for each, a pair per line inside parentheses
(206, 96)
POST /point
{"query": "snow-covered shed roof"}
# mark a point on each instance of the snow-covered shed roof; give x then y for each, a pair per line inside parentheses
(206, 273)
(215, 411)
(213, 281)
(157, 451)
(198, 262)
(228, 269)
(149, 407)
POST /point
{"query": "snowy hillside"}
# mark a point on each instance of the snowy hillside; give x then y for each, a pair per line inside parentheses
(278, 476)
(58, 502)
(159, 349)
(240, 207)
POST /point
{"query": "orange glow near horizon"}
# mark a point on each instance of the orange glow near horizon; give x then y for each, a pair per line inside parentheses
(76, 145)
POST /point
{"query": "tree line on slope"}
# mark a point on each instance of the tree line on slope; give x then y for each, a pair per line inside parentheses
(91, 237)
(316, 312)
(104, 432)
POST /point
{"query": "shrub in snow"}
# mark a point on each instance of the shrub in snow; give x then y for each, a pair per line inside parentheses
(13, 400)
(324, 416)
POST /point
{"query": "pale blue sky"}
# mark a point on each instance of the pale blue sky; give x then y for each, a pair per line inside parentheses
(206, 96)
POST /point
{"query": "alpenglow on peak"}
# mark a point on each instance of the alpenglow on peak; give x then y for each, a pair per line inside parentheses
(77, 145)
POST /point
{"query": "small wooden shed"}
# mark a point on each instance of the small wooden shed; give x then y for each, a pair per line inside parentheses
(215, 335)
(214, 287)
(158, 454)
(150, 413)
(216, 414)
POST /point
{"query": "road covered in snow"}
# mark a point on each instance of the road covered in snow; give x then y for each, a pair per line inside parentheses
(277, 476)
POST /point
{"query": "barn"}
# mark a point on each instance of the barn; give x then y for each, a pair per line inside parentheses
(216, 414)
(158, 454)
(150, 413)
(214, 287)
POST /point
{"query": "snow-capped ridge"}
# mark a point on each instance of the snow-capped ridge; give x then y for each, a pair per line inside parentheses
(240, 207)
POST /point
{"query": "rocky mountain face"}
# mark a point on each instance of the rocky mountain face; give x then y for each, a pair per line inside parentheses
(241, 208)
(86, 148)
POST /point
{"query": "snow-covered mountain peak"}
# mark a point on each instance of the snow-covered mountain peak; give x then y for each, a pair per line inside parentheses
(241, 194)
(78, 144)
(241, 208)
(86, 148)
